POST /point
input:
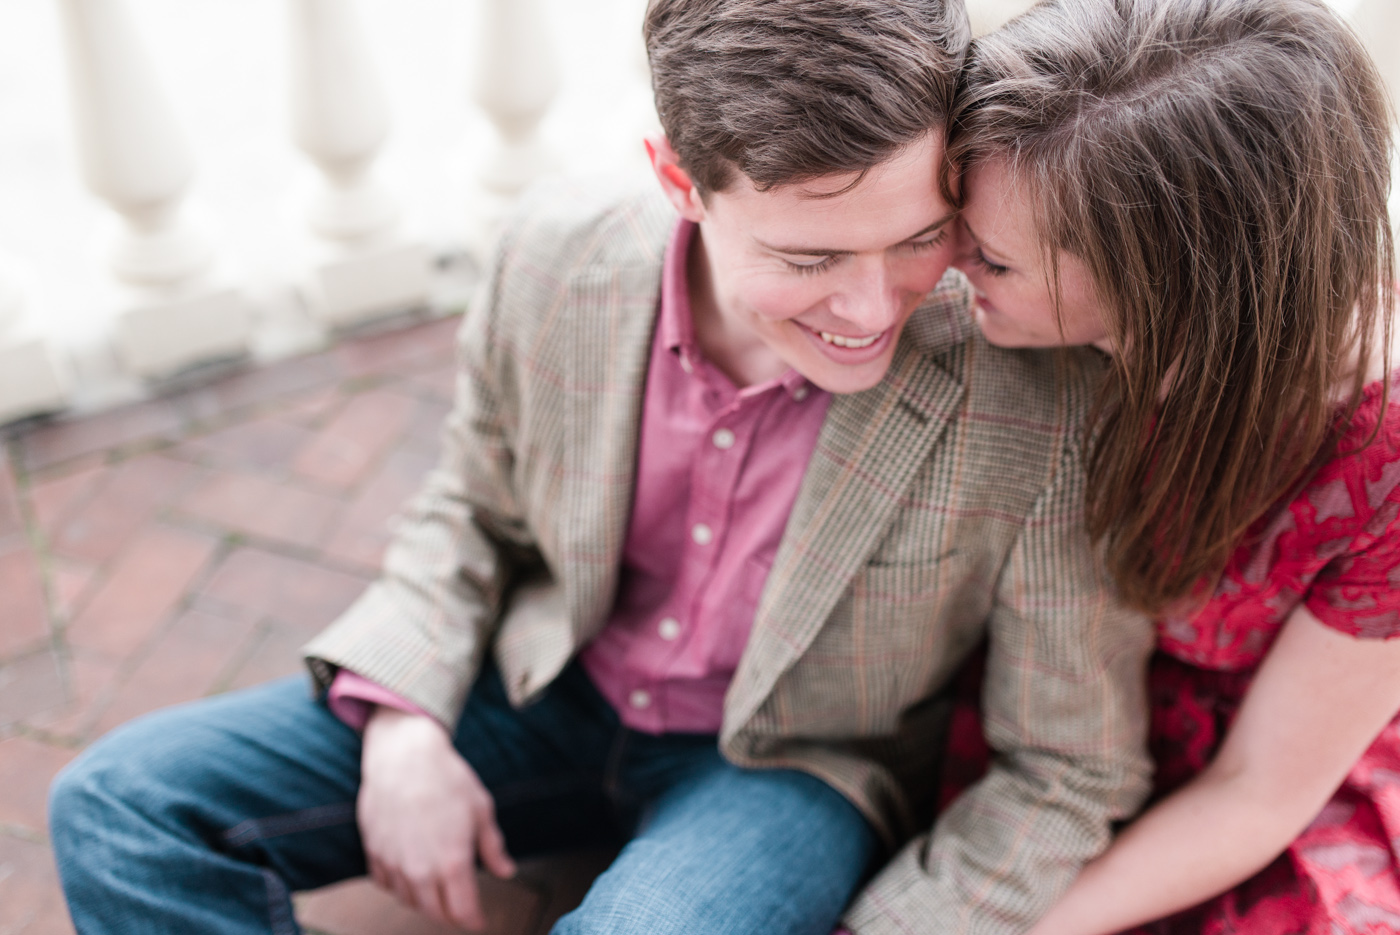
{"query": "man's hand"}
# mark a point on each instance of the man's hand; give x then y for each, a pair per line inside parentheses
(424, 817)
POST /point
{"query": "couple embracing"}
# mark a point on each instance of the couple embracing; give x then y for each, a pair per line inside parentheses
(740, 478)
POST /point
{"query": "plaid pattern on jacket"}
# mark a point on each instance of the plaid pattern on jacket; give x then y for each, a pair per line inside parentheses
(942, 506)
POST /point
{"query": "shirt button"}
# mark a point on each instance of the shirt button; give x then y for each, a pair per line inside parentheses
(701, 533)
(800, 393)
(669, 628)
(723, 439)
(639, 698)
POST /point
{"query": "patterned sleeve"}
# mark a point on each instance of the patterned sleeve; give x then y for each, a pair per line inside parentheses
(1065, 712)
(423, 627)
(1358, 592)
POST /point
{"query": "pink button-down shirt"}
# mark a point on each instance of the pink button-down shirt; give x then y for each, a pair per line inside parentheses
(718, 471)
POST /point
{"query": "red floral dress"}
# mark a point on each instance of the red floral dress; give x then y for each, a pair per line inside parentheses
(1334, 549)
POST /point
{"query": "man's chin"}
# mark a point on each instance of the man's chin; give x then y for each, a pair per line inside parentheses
(843, 380)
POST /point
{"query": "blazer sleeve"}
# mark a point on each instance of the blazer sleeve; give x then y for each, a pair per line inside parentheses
(422, 629)
(1065, 714)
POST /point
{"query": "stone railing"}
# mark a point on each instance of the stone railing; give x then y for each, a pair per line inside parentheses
(543, 86)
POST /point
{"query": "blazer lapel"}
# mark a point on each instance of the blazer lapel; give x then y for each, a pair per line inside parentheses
(612, 312)
(869, 449)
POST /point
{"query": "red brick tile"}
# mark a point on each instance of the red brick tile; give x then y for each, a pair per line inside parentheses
(358, 907)
(185, 662)
(26, 769)
(261, 507)
(313, 409)
(128, 497)
(31, 902)
(143, 423)
(26, 622)
(425, 429)
(53, 498)
(439, 383)
(11, 520)
(30, 687)
(262, 443)
(276, 653)
(71, 583)
(298, 593)
(343, 452)
(145, 584)
(363, 530)
(262, 385)
(90, 682)
(396, 351)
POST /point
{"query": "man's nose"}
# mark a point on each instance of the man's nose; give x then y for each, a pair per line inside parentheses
(871, 300)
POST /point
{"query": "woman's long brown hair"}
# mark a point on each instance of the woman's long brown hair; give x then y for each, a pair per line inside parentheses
(1222, 166)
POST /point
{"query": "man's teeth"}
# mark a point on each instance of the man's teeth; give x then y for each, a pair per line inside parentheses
(841, 341)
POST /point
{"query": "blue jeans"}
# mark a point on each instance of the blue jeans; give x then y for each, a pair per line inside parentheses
(206, 817)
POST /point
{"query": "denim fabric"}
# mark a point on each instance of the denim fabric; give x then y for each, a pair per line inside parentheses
(206, 817)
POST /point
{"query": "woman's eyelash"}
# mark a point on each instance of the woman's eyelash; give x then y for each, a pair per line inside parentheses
(988, 265)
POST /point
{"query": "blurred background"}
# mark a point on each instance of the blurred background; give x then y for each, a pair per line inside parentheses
(234, 235)
(186, 181)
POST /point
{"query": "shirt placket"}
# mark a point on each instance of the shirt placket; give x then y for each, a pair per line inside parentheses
(717, 467)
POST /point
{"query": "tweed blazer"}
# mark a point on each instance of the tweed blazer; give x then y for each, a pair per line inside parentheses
(940, 508)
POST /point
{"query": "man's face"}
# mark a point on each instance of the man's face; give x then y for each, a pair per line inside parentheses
(826, 284)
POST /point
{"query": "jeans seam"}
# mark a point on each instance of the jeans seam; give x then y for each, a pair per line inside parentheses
(260, 829)
(278, 904)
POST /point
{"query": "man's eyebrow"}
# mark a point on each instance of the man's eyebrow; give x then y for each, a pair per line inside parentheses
(818, 251)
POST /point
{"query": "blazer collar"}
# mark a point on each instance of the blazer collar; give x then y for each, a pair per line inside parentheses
(871, 446)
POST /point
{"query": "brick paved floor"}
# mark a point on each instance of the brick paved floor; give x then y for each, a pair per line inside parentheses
(189, 545)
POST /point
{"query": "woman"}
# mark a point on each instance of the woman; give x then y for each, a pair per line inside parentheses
(1199, 187)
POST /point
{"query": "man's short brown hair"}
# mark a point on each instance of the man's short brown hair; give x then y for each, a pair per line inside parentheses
(791, 90)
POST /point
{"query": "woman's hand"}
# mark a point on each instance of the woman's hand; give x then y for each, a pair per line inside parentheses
(425, 817)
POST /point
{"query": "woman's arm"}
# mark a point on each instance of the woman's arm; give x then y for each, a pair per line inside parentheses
(1318, 701)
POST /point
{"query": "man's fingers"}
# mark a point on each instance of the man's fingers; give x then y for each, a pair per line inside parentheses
(399, 886)
(427, 897)
(491, 846)
(462, 900)
(380, 876)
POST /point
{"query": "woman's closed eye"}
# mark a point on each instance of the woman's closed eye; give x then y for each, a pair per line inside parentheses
(993, 269)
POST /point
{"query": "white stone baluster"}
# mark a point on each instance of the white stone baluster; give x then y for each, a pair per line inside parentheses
(135, 158)
(340, 119)
(515, 81)
(987, 15)
(1378, 22)
(31, 378)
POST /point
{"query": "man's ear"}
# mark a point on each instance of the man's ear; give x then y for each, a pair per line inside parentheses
(675, 181)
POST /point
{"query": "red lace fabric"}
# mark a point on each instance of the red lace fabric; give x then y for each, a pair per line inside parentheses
(1334, 549)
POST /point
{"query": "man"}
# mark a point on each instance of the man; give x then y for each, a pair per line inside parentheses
(725, 500)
